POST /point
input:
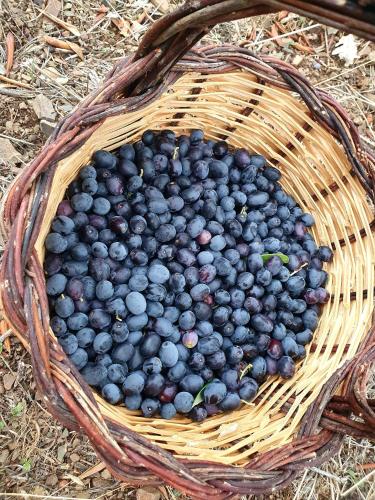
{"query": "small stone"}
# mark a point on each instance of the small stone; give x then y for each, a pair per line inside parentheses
(106, 474)
(47, 127)
(66, 108)
(4, 456)
(74, 457)
(82, 494)
(8, 381)
(98, 482)
(8, 153)
(22, 105)
(38, 490)
(76, 442)
(43, 107)
(298, 59)
(332, 31)
(52, 480)
(148, 493)
(38, 396)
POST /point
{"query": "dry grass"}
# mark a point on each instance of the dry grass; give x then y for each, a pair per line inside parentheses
(38, 458)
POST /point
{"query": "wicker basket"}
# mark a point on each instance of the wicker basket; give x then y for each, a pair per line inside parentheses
(251, 101)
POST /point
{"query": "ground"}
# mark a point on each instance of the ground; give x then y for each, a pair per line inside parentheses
(37, 456)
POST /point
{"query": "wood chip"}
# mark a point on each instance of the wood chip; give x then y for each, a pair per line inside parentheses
(92, 470)
(10, 53)
(122, 25)
(54, 75)
(64, 44)
(60, 22)
(275, 34)
(53, 7)
(8, 381)
(101, 12)
(75, 479)
(303, 48)
(148, 493)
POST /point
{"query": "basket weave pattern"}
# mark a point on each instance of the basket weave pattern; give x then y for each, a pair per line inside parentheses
(255, 102)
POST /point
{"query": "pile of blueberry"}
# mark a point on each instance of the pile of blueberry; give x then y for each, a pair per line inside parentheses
(180, 274)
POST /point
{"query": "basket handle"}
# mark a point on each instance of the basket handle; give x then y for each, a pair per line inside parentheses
(175, 33)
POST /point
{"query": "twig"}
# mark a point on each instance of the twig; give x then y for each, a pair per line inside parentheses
(10, 53)
(307, 28)
(33, 495)
(345, 72)
(298, 270)
(60, 22)
(15, 82)
(5, 335)
(13, 139)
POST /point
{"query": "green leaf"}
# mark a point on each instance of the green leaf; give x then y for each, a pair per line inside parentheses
(199, 397)
(352, 475)
(17, 410)
(284, 258)
(26, 465)
(1, 346)
(245, 370)
(2, 425)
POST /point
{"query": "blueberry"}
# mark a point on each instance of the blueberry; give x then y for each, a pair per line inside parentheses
(112, 393)
(136, 303)
(150, 407)
(168, 411)
(248, 390)
(64, 306)
(79, 358)
(102, 342)
(231, 402)
(133, 384)
(69, 344)
(214, 393)
(56, 243)
(168, 354)
(286, 367)
(183, 402)
(133, 402)
(94, 374)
